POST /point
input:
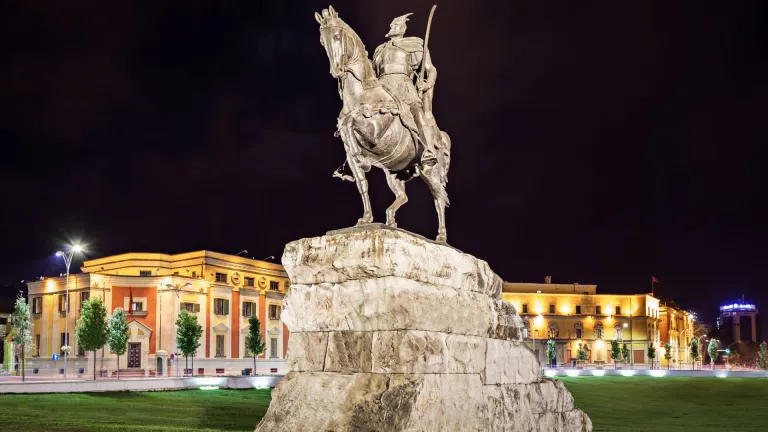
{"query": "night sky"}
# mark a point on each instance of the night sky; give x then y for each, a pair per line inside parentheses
(598, 142)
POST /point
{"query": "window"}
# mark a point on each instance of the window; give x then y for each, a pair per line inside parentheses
(190, 307)
(145, 272)
(62, 303)
(273, 348)
(37, 305)
(618, 310)
(598, 330)
(274, 312)
(598, 310)
(274, 286)
(249, 308)
(194, 275)
(63, 340)
(221, 277)
(85, 295)
(249, 281)
(221, 306)
(37, 345)
(219, 345)
(578, 309)
(551, 308)
(578, 330)
(137, 307)
(553, 330)
(525, 308)
(80, 351)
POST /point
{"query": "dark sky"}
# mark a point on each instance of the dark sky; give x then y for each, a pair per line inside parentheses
(597, 142)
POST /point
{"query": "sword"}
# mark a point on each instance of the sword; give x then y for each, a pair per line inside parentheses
(426, 40)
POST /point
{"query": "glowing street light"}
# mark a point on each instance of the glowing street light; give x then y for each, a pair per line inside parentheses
(67, 261)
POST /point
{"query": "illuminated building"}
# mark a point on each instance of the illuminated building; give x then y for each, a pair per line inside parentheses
(738, 322)
(675, 328)
(221, 290)
(573, 313)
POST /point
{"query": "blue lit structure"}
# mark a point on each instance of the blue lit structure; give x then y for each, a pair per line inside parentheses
(738, 321)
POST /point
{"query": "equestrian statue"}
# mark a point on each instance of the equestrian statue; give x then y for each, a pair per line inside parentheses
(386, 120)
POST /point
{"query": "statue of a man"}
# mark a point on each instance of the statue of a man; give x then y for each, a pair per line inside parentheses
(398, 63)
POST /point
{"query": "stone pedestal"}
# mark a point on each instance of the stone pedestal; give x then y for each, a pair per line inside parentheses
(393, 332)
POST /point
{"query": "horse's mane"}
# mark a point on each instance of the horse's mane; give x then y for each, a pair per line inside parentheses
(359, 53)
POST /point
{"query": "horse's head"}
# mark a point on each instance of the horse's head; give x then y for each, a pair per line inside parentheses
(338, 39)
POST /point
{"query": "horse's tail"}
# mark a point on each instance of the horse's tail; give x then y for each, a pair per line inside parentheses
(446, 156)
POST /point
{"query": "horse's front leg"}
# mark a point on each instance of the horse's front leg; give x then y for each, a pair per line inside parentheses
(353, 155)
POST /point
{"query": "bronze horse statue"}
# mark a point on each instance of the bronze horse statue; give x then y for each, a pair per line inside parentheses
(376, 127)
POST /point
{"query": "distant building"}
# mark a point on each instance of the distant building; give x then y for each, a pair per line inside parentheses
(738, 322)
(676, 328)
(221, 290)
(573, 314)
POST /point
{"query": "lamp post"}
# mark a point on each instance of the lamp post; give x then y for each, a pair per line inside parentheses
(177, 289)
(67, 261)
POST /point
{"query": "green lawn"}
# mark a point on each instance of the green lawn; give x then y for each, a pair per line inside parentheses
(613, 403)
(672, 404)
(183, 410)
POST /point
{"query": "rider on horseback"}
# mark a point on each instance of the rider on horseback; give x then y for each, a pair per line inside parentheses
(397, 63)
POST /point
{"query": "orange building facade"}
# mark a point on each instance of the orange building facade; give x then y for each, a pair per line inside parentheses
(222, 291)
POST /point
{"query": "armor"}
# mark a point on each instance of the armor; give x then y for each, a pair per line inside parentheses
(396, 63)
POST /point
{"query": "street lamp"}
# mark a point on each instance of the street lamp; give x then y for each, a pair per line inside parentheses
(67, 261)
(177, 289)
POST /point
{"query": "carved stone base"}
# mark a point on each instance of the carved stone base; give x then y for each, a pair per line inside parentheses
(390, 331)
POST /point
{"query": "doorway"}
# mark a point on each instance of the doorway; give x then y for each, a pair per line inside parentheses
(134, 355)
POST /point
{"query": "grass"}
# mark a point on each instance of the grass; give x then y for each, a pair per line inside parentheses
(672, 404)
(614, 404)
(183, 410)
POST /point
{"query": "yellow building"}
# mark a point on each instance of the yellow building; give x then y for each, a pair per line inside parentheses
(676, 328)
(574, 314)
(221, 290)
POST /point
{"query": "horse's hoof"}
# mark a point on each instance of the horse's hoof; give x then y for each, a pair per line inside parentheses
(442, 238)
(392, 224)
(363, 221)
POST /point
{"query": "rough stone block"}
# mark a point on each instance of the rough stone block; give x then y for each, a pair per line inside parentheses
(411, 351)
(349, 352)
(306, 351)
(509, 362)
(387, 304)
(377, 253)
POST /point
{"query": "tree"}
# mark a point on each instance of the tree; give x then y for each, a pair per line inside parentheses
(651, 353)
(625, 352)
(762, 356)
(253, 341)
(694, 349)
(22, 326)
(582, 352)
(551, 352)
(118, 335)
(188, 333)
(712, 351)
(668, 353)
(615, 351)
(92, 328)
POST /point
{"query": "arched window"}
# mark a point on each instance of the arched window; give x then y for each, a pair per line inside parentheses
(553, 331)
(599, 330)
(619, 332)
(578, 330)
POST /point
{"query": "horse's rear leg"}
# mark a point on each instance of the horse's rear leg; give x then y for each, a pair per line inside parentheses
(431, 175)
(398, 188)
